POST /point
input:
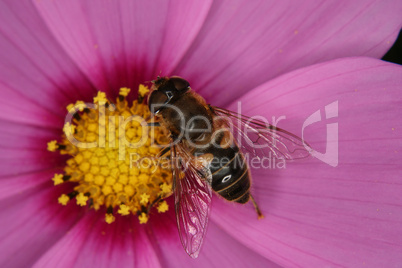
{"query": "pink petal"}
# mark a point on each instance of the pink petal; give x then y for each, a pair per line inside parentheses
(23, 150)
(123, 43)
(24, 159)
(94, 243)
(25, 163)
(219, 248)
(21, 169)
(15, 184)
(37, 79)
(243, 44)
(318, 215)
(30, 223)
(26, 136)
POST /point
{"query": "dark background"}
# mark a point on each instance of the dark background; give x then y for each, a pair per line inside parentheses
(395, 53)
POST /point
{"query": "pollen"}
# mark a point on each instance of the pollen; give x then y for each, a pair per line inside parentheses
(143, 90)
(109, 218)
(166, 188)
(58, 179)
(68, 129)
(63, 199)
(124, 91)
(144, 198)
(143, 218)
(100, 98)
(52, 146)
(113, 164)
(124, 210)
(82, 199)
(163, 207)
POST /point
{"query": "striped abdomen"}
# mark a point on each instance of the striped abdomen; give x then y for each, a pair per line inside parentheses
(230, 176)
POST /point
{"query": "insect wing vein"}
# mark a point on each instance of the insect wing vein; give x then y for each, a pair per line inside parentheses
(262, 139)
(193, 196)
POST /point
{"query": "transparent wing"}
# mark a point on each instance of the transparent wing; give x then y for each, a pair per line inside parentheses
(262, 139)
(193, 196)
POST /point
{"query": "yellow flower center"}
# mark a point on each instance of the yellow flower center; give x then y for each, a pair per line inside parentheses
(113, 163)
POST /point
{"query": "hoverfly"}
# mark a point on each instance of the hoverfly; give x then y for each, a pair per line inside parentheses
(201, 135)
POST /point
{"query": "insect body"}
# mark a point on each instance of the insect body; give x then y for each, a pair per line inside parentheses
(203, 147)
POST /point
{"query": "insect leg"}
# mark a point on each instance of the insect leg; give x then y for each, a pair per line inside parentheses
(153, 203)
(163, 151)
(154, 124)
(257, 209)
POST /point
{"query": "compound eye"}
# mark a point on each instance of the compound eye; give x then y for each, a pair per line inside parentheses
(156, 101)
(179, 83)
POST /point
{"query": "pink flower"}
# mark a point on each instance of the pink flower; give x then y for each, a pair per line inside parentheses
(277, 58)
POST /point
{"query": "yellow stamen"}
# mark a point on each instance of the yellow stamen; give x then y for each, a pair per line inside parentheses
(109, 218)
(68, 129)
(163, 207)
(100, 98)
(58, 179)
(124, 91)
(166, 189)
(81, 199)
(63, 199)
(124, 210)
(70, 107)
(52, 146)
(80, 105)
(144, 198)
(143, 218)
(112, 154)
(143, 90)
